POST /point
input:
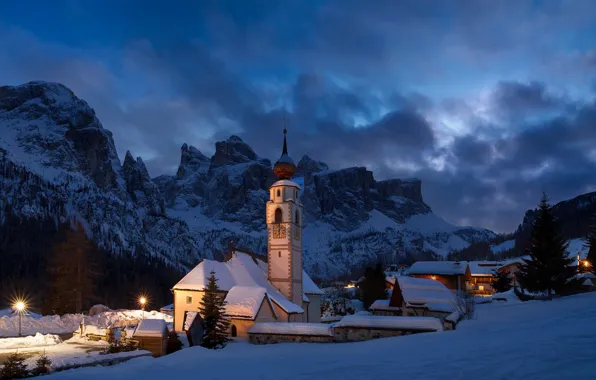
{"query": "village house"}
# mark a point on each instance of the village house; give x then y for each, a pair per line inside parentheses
(455, 275)
(277, 290)
(412, 296)
(482, 276)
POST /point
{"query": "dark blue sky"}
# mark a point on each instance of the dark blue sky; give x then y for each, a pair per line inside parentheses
(488, 102)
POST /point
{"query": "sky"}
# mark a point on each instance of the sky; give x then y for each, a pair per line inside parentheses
(489, 103)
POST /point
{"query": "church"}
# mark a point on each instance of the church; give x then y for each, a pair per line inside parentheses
(278, 290)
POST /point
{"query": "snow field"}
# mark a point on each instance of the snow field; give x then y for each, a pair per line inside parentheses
(532, 340)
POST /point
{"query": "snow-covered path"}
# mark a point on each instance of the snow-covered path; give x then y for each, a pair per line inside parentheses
(536, 340)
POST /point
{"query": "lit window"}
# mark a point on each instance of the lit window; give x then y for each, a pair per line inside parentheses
(188, 300)
(480, 287)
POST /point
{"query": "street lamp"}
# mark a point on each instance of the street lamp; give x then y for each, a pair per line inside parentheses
(20, 306)
(143, 301)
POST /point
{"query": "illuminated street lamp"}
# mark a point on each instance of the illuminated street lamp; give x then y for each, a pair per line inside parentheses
(142, 302)
(20, 307)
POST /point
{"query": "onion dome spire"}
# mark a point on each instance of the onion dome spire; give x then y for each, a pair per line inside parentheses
(284, 168)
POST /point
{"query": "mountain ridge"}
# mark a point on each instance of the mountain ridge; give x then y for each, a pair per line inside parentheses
(351, 219)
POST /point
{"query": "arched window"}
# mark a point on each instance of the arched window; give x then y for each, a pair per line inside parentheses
(278, 215)
(297, 218)
(234, 331)
(278, 193)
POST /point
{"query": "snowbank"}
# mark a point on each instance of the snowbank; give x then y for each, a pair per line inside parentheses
(54, 324)
(291, 328)
(401, 323)
(29, 341)
(533, 340)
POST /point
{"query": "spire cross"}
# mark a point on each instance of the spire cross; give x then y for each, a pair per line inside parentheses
(285, 150)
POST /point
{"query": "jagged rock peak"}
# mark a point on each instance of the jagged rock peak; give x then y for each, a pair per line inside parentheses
(37, 98)
(307, 165)
(191, 161)
(234, 151)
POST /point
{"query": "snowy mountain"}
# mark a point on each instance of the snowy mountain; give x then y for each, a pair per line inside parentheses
(350, 218)
(59, 162)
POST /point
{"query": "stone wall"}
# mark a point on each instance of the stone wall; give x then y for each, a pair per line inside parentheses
(277, 338)
(359, 334)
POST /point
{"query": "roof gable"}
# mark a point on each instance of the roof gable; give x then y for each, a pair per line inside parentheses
(241, 270)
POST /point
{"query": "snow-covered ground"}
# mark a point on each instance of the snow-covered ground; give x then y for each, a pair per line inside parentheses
(533, 340)
(55, 324)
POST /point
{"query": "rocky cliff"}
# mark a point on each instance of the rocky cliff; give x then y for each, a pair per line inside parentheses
(74, 173)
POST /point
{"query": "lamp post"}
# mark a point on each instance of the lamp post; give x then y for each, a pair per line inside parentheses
(20, 307)
(143, 301)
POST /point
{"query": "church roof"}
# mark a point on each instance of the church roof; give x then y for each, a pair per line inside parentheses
(245, 301)
(244, 271)
(285, 182)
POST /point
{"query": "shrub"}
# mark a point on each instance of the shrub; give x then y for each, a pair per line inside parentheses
(14, 367)
(174, 343)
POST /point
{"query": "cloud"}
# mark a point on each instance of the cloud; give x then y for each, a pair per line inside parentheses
(488, 103)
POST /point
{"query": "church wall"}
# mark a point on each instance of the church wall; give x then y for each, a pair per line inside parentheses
(314, 308)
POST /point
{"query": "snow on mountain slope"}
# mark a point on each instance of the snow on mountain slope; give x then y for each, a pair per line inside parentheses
(504, 246)
(351, 220)
(59, 162)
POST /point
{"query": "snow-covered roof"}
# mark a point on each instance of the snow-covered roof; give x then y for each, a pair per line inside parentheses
(291, 328)
(245, 301)
(387, 322)
(241, 270)
(168, 307)
(189, 318)
(484, 268)
(382, 305)
(285, 182)
(309, 286)
(424, 292)
(439, 267)
(151, 328)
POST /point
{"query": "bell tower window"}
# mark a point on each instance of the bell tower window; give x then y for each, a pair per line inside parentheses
(278, 215)
(278, 193)
(297, 218)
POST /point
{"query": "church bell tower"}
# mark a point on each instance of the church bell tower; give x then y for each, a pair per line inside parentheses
(284, 225)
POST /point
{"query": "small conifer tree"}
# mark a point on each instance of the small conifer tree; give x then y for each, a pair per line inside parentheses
(42, 365)
(14, 367)
(549, 268)
(502, 282)
(374, 285)
(212, 310)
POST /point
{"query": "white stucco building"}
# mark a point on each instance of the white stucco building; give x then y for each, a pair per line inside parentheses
(255, 291)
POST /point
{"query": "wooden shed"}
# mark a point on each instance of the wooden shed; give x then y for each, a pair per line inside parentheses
(152, 335)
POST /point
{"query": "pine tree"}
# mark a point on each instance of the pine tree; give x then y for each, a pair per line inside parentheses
(502, 282)
(591, 244)
(374, 285)
(549, 268)
(71, 274)
(14, 367)
(212, 310)
(42, 365)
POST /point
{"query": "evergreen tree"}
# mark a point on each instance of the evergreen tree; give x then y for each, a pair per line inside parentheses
(71, 273)
(591, 244)
(374, 285)
(14, 367)
(502, 281)
(42, 365)
(212, 310)
(549, 268)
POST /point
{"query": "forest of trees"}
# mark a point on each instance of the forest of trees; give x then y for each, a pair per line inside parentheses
(58, 270)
